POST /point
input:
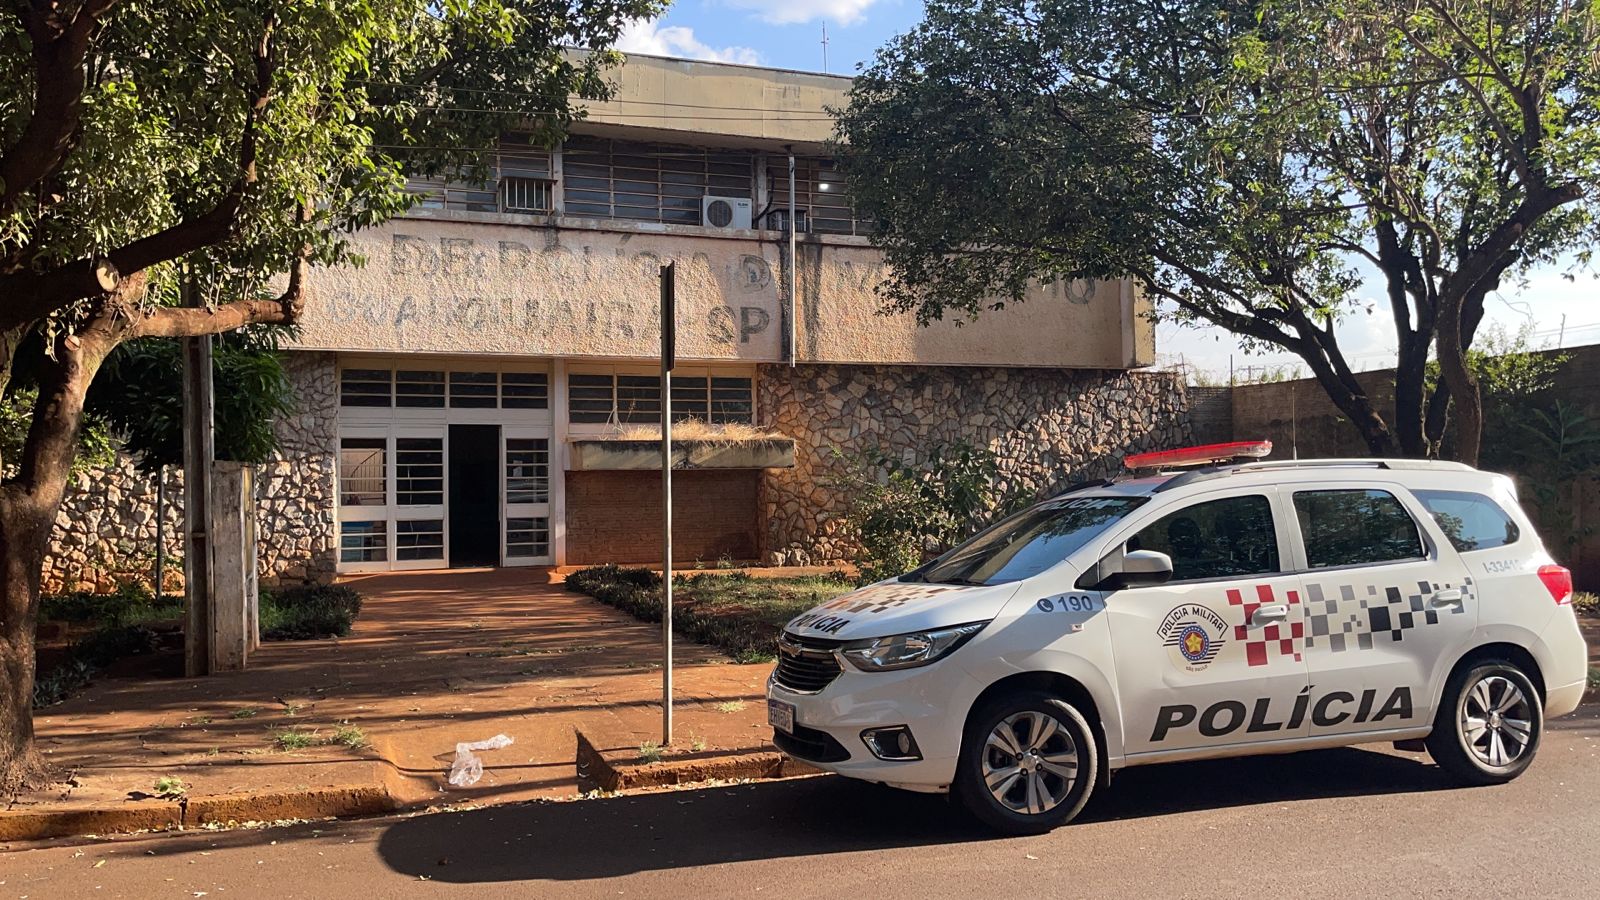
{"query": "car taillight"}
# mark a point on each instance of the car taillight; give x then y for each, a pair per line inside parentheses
(1558, 581)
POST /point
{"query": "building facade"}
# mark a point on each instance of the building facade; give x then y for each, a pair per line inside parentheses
(484, 390)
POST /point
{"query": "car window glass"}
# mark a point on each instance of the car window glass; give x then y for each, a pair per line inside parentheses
(1217, 539)
(1471, 521)
(1027, 543)
(1355, 527)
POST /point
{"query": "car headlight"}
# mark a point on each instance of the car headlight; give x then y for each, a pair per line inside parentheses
(906, 651)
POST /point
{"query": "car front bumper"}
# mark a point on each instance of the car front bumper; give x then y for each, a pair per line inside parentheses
(931, 701)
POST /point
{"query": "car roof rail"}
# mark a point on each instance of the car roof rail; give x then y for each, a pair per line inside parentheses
(1190, 476)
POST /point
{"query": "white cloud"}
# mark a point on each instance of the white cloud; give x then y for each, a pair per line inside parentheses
(794, 12)
(646, 36)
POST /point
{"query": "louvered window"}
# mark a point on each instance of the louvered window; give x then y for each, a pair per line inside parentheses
(649, 182)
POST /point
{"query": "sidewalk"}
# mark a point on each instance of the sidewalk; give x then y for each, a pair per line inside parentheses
(435, 659)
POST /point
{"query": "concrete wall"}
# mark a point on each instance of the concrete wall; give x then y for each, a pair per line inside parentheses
(583, 289)
(1301, 421)
(615, 517)
(767, 106)
(1048, 428)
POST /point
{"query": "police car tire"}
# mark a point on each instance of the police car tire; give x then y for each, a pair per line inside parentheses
(974, 796)
(1448, 746)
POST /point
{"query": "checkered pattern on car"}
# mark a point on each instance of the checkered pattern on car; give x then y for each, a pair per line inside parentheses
(1284, 637)
(884, 597)
(1346, 617)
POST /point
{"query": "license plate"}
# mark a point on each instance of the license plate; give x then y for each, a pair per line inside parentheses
(780, 715)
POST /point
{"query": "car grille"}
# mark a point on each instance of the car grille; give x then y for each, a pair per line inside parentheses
(805, 666)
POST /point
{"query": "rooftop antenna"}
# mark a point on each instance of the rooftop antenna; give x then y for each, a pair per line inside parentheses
(824, 45)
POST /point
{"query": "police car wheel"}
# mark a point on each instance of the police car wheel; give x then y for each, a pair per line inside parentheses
(1028, 764)
(1488, 725)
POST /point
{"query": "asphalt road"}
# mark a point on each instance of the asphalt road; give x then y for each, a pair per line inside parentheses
(1335, 823)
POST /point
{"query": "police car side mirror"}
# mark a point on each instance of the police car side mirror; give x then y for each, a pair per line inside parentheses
(1142, 567)
(1125, 569)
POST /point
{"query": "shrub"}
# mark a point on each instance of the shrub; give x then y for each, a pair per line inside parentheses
(735, 612)
(115, 608)
(309, 612)
(1586, 603)
(903, 514)
(87, 657)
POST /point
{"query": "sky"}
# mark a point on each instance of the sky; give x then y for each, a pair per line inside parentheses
(788, 34)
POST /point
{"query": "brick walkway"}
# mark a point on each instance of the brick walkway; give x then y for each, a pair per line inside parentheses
(435, 658)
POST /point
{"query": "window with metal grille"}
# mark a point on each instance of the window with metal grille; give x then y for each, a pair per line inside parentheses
(515, 162)
(527, 470)
(362, 470)
(650, 182)
(364, 387)
(590, 399)
(527, 537)
(419, 539)
(474, 390)
(419, 471)
(419, 389)
(524, 390)
(821, 195)
(527, 195)
(732, 400)
(364, 541)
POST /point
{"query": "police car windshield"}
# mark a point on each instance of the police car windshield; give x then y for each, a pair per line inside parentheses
(1027, 543)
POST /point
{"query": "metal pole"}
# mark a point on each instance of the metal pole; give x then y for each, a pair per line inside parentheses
(668, 351)
(161, 531)
(794, 269)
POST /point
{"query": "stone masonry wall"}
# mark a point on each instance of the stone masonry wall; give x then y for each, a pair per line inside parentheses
(105, 532)
(1049, 428)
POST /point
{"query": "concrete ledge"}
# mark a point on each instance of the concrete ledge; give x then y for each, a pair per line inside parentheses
(617, 770)
(220, 809)
(605, 454)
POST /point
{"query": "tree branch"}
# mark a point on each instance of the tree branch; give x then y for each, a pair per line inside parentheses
(36, 295)
(58, 50)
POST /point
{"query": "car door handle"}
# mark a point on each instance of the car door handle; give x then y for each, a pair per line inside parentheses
(1275, 613)
(1447, 598)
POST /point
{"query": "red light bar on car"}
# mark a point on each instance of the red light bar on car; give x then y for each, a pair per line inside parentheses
(1198, 456)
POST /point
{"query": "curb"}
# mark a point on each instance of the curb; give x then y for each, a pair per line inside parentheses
(616, 770)
(195, 812)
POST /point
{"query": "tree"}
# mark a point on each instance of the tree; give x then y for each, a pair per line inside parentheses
(232, 143)
(1244, 161)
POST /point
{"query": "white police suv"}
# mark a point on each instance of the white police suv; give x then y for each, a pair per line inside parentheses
(1230, 609)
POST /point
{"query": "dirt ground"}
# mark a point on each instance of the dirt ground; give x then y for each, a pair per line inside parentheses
(435, 659)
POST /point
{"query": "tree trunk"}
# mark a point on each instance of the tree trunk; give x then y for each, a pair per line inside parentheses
(1466, 401)
(28, 506)
(24, 533)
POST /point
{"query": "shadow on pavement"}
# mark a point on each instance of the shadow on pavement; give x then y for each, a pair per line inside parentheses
(646, 832)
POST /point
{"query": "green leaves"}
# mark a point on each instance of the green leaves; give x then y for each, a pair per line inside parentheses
(1247, 162)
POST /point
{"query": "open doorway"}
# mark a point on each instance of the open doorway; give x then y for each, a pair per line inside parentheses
(474, 495)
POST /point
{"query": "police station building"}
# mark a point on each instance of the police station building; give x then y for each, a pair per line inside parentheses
(484, 390)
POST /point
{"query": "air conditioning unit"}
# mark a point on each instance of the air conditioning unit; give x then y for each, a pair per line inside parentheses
(725, 212)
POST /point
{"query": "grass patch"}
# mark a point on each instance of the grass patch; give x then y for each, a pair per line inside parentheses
(1586, 603)
(249, 712)
(130, 604)
(735, 612)
(730, 706)
(169, 788)
(650, 752)
(288, 739)
(309, 612)
(349, 737)
(1594, 678)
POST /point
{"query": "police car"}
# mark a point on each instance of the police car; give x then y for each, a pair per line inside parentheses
(1236, 607)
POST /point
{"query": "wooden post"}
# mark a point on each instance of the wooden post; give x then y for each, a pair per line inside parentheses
(199, 451)
(232, 565)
